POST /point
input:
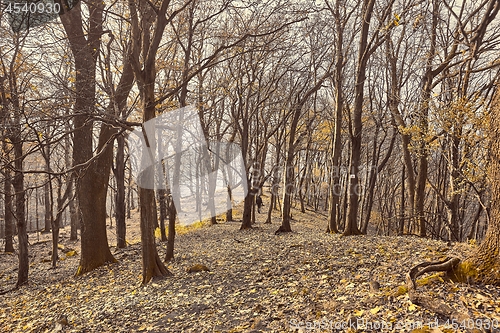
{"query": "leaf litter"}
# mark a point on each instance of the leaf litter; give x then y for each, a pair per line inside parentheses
(304, 281)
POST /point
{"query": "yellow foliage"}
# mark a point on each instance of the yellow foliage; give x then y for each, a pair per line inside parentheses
(464, 272)
(359, 313)
(397, 18)
(401, 291)
(157, 233)
(430, 279)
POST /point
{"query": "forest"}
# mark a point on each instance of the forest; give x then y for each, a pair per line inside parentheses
(250, 166)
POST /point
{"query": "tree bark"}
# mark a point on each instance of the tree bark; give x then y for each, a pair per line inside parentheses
(162, 198)
(247, 208)
(121, 226)
(171, 230)
(152, 266)
(8, 209)
(91, 182)
(351, 227)
(47, 204)
(147, 35)
(22, 232)
(335, 192)
(75, 222)
(73, 215)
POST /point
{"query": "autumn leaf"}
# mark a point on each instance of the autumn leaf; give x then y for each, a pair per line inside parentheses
(359, 313)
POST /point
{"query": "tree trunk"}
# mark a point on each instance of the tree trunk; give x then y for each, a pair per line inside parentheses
(91, 196)
(121, 227)
(91, 185)
(335, 189)
(423, 123)
(401, 226)
(303, 180)
(212, 178)
(162, 198)
(394, 101)
(246, 222)
(253, 207)
(152, 266)
(288, 180)
(130, 204)
(274, 186)
(335, 192)
(229, 205)
(46, 193)
(73, 213)
(174, 202)
(455, 188)
(56, 221)
(247, 208)
(22, 233)
(54, 224)
(8, 209)
(271, 207)
(351, 227)
(172, 215)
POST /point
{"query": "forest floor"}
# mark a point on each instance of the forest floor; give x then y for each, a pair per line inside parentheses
(305, 281)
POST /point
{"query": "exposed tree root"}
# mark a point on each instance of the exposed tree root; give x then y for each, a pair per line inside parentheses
(282, 229)
(430, 303)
